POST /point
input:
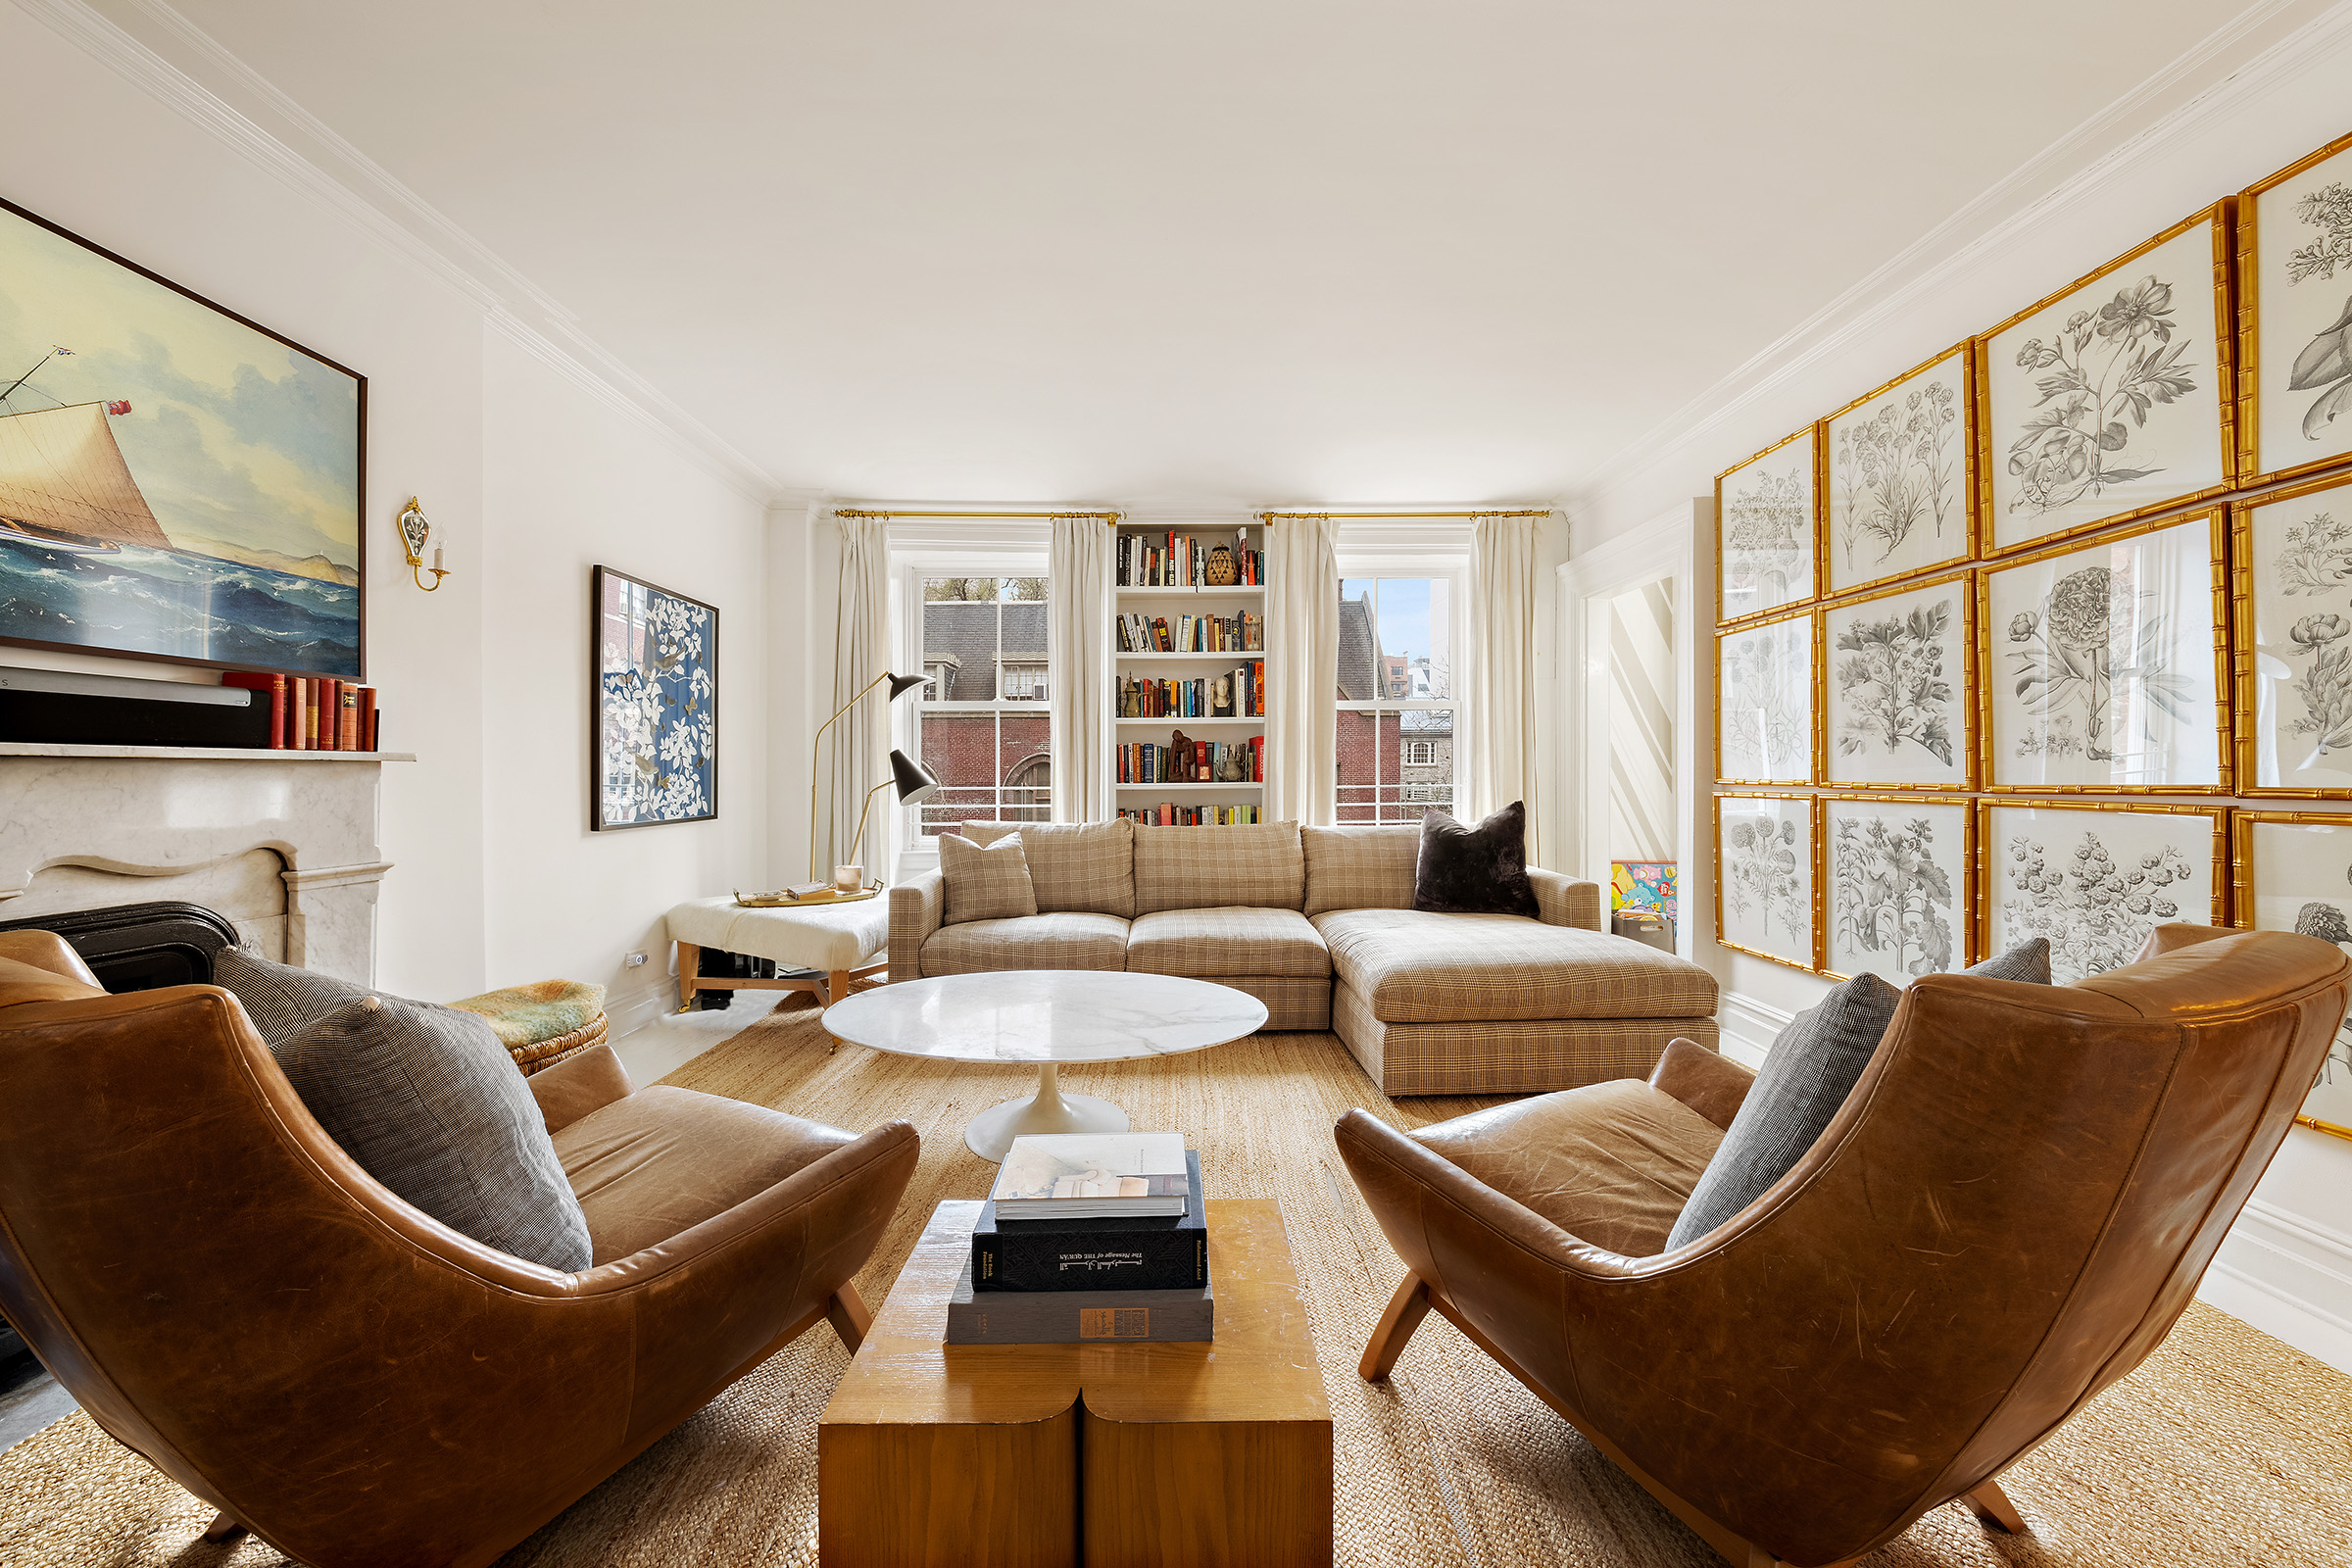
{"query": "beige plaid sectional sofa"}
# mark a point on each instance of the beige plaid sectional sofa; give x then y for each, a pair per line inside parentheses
(1318, 924)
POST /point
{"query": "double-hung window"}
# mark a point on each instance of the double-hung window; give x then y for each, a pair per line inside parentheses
(982, 719)
(1401, 636)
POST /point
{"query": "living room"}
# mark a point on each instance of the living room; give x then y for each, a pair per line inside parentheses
(1285, 577)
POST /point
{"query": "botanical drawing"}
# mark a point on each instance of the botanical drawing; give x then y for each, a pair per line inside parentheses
(2324, 365)
(1767, 718)
(1890, 897)
(1894, 688)
(1895, 471)
(1763, 878)
(2325, 920)
(2092, 644)
(2106, 364)
(2095, 907)
(659, 733)
(1768, 537)
(2314, 557)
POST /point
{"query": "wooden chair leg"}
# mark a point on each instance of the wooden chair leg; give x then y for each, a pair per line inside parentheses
(1407, 1309)
(1993, 1507)
(690, 960)
(849, 1319)
(222, 1528)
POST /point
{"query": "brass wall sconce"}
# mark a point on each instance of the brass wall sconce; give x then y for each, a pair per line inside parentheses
(415, 532)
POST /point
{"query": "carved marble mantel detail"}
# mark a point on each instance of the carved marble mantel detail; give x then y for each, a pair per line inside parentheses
(160, 813)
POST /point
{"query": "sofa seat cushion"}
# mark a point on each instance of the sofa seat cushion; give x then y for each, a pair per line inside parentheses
(1612, 1164)
(1211, 944)
(1063, 940)
(663, 1160)
(1413, 966)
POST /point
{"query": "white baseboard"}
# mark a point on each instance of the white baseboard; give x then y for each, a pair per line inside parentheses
(1749, 1026)
(628, 1014)
(2289, 1276)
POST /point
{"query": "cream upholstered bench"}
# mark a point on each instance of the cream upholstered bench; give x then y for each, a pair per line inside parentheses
(827, 949)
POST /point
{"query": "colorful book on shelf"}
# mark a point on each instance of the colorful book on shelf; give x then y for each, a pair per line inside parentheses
(1092, 1175)
(1136, 1252)
(272, 686)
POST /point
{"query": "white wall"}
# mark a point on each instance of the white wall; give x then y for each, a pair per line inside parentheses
(2287, 1266)
(484, 680)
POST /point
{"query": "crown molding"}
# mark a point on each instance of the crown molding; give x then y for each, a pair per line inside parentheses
(329, 170)
(2071, 171)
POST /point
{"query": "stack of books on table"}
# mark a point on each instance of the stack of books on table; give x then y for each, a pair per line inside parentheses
(1085, 1238)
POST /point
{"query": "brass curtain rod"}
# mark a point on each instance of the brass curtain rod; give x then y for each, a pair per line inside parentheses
(1408, 516)
(855, 512)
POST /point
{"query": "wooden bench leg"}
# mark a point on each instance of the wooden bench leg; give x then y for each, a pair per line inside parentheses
(222, 1528)
(851, 1320)
(1993, 1507)
(1407, 1309)
(690, 963)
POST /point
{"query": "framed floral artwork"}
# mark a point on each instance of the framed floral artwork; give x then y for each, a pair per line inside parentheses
(2294, 288)
(1896, 877)
(1765, 894)
(1764, 702)
(2292, 601)
(1764, 529)
(2104, 662)
(2105, 402)
(1895, 687)
(2294, 874)
(2094, 878)
(1898, 471)
(654, 663)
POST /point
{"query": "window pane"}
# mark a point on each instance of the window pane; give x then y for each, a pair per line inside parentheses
(1025, 768)
(1426, 766)
(959, 639)
(1359, 771)
(1416, 638)
(961, 751)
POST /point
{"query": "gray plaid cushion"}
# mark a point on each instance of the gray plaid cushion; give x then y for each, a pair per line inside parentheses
(428, 1102)
(278, 998)
(985, 884)
(2029, 962)
(1812, 1069)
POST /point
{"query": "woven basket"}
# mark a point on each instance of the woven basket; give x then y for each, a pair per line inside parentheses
(545, 1054)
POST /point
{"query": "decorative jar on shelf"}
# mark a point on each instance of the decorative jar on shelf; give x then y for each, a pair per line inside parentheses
(1220, 571)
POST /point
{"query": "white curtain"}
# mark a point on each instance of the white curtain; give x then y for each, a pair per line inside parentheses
(1078, 660)
(854, 753)
(1302, 669)
(1501, 704)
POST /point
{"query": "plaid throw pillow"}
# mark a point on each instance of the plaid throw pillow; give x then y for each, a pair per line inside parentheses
(985, 884)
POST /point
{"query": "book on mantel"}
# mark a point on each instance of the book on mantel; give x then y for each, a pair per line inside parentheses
(1146, 1253)
(1076, 1317)
(1092, 1176)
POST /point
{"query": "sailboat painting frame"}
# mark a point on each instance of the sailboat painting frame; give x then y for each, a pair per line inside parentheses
(178, 483)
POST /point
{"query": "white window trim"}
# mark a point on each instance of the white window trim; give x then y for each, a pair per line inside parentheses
(1434, 548)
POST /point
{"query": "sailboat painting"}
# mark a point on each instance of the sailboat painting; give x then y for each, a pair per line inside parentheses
(176, 483)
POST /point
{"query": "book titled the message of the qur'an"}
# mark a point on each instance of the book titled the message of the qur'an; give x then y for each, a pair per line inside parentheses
(1076, 1317)
(1150, 1252)
(1092, 1175)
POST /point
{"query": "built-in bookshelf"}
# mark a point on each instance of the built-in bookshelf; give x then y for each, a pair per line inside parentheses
(1188, 656)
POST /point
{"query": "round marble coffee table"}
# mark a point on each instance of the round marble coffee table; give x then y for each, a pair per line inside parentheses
(1046, 1017)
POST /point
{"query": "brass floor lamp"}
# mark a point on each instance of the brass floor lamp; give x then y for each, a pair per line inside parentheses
(912, 781)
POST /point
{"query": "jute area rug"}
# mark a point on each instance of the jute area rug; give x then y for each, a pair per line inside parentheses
(2226, 1447)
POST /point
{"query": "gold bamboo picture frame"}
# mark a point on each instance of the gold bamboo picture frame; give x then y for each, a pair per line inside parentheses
(2315, 901)
(2096, 896)
(1764, 681)
(1895, 457)
(1858, 889)
(1774, 878)
(2294, 249)
(1767, 530)
(2130, 355)
(1884, 690)
(2061, 643)
(2291, 619)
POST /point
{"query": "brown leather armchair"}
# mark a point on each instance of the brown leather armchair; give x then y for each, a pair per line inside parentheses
(2007, 1214)
(229, 1295)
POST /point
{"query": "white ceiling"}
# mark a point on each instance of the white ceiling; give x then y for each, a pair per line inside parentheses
(1362, 252)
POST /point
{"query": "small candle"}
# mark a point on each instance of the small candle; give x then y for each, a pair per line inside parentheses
(436, 558)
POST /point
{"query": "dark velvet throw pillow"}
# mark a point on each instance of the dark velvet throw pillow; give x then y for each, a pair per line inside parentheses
(1475, 870)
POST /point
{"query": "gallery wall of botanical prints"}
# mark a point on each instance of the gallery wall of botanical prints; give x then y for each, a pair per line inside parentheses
(2052, 635)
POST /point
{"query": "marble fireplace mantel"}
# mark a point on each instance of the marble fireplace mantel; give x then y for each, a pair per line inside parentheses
(149, 813)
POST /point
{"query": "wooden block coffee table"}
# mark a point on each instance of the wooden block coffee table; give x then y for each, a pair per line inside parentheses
(1047, 1454)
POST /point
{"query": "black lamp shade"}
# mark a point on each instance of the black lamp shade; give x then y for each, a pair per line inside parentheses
(901, 685)
(914, 780)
